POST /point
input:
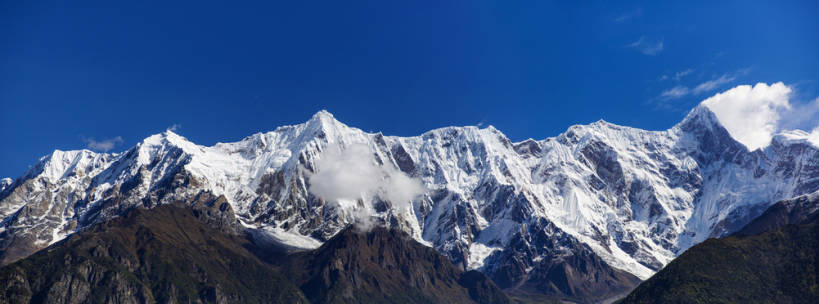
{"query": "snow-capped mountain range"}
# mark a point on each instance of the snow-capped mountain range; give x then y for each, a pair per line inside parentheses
(635, 198)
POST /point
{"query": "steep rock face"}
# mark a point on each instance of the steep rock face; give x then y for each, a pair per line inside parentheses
(162, 255)
(787, 212)
(546, 260)
(385, 266)
(633, 198)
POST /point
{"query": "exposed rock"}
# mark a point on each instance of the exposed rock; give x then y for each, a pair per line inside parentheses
(385, 266)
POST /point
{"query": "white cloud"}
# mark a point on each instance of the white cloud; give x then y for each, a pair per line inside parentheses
(351, 173)
(675, 92)
(814, 136)
(102, 145)
(345, 174)
(681, 91)
(679, 75)
(712, 84)
(676, 76)
(647, 47)
(751, 114)
(174, 128)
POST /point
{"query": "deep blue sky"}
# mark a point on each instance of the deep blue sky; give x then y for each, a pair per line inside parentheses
(73, 70)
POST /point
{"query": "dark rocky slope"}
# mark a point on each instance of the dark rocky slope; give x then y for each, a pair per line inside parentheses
(568, 270)
(170, 254)
(385, 266)
(161, 255)
(777, 266)
(791, 211)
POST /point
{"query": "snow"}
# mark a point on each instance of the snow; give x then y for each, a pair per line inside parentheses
(294, 240)
(792, 137)
(600, 183)
(5, 182)
(478, 253)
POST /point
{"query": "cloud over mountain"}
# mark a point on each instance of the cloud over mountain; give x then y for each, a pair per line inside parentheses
(751, 114)
(351, 173)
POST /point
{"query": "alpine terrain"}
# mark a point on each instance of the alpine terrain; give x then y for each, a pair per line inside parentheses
(168, 254)
(772, 260)
(581, 216)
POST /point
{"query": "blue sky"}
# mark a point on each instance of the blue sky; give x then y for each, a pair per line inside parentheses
(77, 75)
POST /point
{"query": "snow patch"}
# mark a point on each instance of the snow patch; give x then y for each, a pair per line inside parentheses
(478, 253)
(289, 239)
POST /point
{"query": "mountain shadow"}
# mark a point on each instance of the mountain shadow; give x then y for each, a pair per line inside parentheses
(775, 266)
(168, 254)
(385, 266)
(161, 255)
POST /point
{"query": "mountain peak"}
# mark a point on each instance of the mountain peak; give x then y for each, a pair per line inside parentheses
(324, 125)
(5, 183)
(168, 138)
(700, 116)
(323, 115)
(59, 162)
(324, 119)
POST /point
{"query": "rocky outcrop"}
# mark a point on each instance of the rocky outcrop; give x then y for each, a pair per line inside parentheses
(545, 261)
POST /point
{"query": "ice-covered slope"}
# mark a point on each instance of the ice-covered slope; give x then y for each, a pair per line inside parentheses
(634, 198)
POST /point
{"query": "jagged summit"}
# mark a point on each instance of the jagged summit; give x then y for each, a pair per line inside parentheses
(324, 117)
(633, 198)
(700, 115)
(168, 138)
(324, 121)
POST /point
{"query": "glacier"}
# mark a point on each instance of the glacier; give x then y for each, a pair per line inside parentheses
(635, 198)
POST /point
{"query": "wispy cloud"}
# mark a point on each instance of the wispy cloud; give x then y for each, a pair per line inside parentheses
(679, 75)
(104, 145)
(680, 91)
(174, 127)
(712, 84)
(351, 174)
(646, 46)
(675, 92)
(626, 16)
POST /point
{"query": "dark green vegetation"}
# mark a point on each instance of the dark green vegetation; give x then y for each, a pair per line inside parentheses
(777, 266)
(162, 255)
(169, 255)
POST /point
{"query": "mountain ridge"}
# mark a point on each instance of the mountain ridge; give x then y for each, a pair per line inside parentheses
(634, 198)
(169, 254)
(772, 260)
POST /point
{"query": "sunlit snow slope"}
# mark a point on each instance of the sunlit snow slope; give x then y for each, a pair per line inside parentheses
(635, 198)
